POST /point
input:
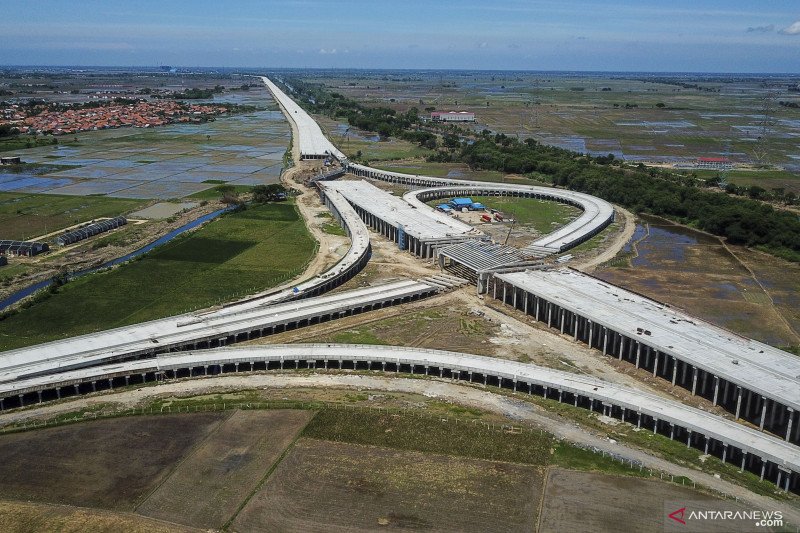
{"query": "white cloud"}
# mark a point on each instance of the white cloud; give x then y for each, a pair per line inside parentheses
(484, 44)
(761, 29)
(326, 51)
(794, 29)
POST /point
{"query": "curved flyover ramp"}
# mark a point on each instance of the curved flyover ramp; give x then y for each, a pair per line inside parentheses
(745, 447)
(597, 213)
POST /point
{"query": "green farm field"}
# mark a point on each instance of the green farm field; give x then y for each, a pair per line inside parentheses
(24, 216)
(241, 252)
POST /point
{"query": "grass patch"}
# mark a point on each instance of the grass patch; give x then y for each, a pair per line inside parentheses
(334, 229)
(215, 194)
(355, 336)
(22, 142)
(597, 240)
(427, 434)
(543, 215)
(240, 252)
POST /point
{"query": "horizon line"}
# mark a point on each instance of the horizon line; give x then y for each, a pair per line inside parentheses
(405, 69)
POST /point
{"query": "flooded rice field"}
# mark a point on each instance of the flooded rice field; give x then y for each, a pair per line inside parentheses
(167, 162)
(748, 292)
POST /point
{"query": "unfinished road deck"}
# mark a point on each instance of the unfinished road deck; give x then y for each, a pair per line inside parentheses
(747, 448)
(313, 143)
(597, 213)
(419, 230)
(752, 380)
(206, 330)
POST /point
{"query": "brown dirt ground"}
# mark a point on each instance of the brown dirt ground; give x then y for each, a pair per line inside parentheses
(26, 517)
(326, 486)
(438, 325)
(107, 463)
(585, 501)
(208, 487)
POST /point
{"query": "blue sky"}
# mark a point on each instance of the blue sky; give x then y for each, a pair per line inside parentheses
(640, 35)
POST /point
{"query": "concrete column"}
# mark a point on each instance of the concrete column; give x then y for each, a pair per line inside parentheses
(622, 346)
(694, 380)
(639, 422)
(763, 414)
(705, 380)
(638, 352)
(672, 431)
(708, 441)
(689, 439)
(716, 389)
(549, 315)
(655, 366)
(605, 341)
(724, 452)
(738, 400)
(763, 468)
(563, 312)
(655, 426)
(674, 371)
(591, 333)
(744, 456)
(789, 425)
(575, 323)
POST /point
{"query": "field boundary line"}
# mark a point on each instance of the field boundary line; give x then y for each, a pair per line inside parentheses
(545, 483)
(191, 452)
(266, 476)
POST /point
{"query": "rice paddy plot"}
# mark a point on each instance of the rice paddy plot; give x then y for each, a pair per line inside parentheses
(237, 253)
(29, 215)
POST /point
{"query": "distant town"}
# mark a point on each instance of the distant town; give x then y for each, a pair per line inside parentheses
(138, 114)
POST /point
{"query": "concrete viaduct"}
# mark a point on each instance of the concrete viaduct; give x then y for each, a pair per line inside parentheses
(748, 449)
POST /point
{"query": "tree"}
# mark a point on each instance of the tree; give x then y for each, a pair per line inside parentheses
(269, 193)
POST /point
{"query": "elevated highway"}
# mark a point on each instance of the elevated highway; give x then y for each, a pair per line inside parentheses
(746, 448)
(208, 330)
